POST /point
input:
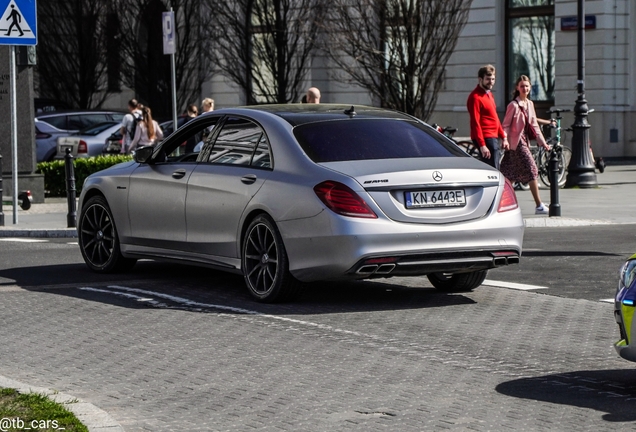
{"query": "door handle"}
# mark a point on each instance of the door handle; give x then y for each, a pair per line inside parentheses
(179, 173)
(248, 179)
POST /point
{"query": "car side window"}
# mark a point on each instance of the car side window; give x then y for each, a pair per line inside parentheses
(56, 121)
(89, 120)
(186, 143)
(241, 142)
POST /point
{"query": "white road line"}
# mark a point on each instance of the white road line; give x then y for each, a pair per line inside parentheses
(22, 240)
(512, 285)
(607, 300)
(195, 304)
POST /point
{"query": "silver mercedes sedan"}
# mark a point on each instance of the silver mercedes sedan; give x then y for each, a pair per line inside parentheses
(286, 194)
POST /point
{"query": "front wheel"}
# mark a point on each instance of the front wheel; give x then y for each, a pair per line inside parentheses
(98, 239)
(458, 282)
(544, 166)
(265, 263)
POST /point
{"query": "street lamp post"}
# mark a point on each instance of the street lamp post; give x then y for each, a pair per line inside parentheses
(581, 168)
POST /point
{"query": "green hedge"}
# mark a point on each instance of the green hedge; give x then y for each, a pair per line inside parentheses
(55, 173)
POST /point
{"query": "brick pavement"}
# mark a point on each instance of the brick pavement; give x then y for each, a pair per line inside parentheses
(399, 360)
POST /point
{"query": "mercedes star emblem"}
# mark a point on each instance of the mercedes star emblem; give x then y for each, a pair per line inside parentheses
(437, 176)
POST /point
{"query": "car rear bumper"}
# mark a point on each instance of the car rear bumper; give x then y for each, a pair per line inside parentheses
(332, 247)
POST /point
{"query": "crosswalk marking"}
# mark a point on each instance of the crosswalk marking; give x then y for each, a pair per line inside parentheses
(23, 240)
(512, 285)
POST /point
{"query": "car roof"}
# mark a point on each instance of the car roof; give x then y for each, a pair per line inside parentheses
(67, 112)
(297, 114)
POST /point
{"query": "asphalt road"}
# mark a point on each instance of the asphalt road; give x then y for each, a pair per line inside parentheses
(169, 347)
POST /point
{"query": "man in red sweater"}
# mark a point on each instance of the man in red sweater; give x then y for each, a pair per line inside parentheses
(485, 127)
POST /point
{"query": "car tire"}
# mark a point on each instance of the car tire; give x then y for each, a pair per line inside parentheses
(265, 263)
(459, 282)
(98, 238)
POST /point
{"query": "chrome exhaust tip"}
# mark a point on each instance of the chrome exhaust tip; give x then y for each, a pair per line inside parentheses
(367, 269)
(499, 261)
(385, 269)
(513, 260)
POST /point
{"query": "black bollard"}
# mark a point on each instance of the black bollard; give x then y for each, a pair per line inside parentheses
(1, 213)
(71, 217)
(553, 168)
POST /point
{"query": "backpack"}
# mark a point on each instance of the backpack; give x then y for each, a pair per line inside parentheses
(137, 117)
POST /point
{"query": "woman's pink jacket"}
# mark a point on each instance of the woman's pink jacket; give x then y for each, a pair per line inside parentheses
(515, 122)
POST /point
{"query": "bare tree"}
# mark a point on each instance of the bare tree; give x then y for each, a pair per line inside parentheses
(146, 69)
(71, 51)
(265, 46)
(396, 49)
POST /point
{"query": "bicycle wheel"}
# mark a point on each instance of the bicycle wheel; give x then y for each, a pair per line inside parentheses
(469, 148)
(543, 164)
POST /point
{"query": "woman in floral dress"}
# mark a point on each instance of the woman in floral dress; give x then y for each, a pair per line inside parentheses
(520, 125)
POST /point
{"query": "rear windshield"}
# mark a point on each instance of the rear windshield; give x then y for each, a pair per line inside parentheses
(361, 139)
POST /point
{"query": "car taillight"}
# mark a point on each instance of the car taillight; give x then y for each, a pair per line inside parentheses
(42, 135)
(342, 200)
(82, 147)
(508, 198)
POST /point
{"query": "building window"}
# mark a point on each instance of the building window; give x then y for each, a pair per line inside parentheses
(530, 47)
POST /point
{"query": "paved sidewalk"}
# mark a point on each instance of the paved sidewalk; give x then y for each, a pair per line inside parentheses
(610, 203)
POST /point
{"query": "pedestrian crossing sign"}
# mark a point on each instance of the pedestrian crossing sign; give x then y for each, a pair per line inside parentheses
(18, 24)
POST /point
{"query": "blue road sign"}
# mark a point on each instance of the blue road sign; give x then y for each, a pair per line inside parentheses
(18, 23)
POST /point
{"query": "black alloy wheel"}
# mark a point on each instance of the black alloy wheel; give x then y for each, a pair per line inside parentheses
(265, 263)
(98, 240)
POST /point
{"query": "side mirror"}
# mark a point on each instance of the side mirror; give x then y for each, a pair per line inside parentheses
(144, 154)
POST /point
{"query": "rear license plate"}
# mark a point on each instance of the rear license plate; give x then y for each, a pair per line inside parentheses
(64, 147)
(438, 198)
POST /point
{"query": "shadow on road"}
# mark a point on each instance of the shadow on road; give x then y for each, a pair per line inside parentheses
(210, 287)
(609, 391)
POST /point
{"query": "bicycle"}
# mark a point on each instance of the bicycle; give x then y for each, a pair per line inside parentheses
(541, 156)
(465, 145)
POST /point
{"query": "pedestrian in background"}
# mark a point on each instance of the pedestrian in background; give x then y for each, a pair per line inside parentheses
(128, 124)
(521, 126)
(207, 105)
(191, 113)
(148, 131)
(485, 127)
(313, 95)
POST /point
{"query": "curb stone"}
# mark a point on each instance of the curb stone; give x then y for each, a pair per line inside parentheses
(95, 419)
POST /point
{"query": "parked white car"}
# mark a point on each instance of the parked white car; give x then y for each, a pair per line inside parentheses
(51, 125)
(88, 142)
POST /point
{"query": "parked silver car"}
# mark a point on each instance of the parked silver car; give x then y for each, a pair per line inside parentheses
(49, 126)
(88, 142)
(286, 194)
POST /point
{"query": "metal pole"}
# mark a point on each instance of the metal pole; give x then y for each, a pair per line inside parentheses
(174, 88)
(71, 216)
(581, 168)
(553, 167)
(14, 134)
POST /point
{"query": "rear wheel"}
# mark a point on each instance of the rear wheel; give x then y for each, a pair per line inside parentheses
(265, 263)
(98, 240)
(458, 282)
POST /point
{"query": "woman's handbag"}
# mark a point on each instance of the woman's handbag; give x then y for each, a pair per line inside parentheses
(528, 129)
(530, 132)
